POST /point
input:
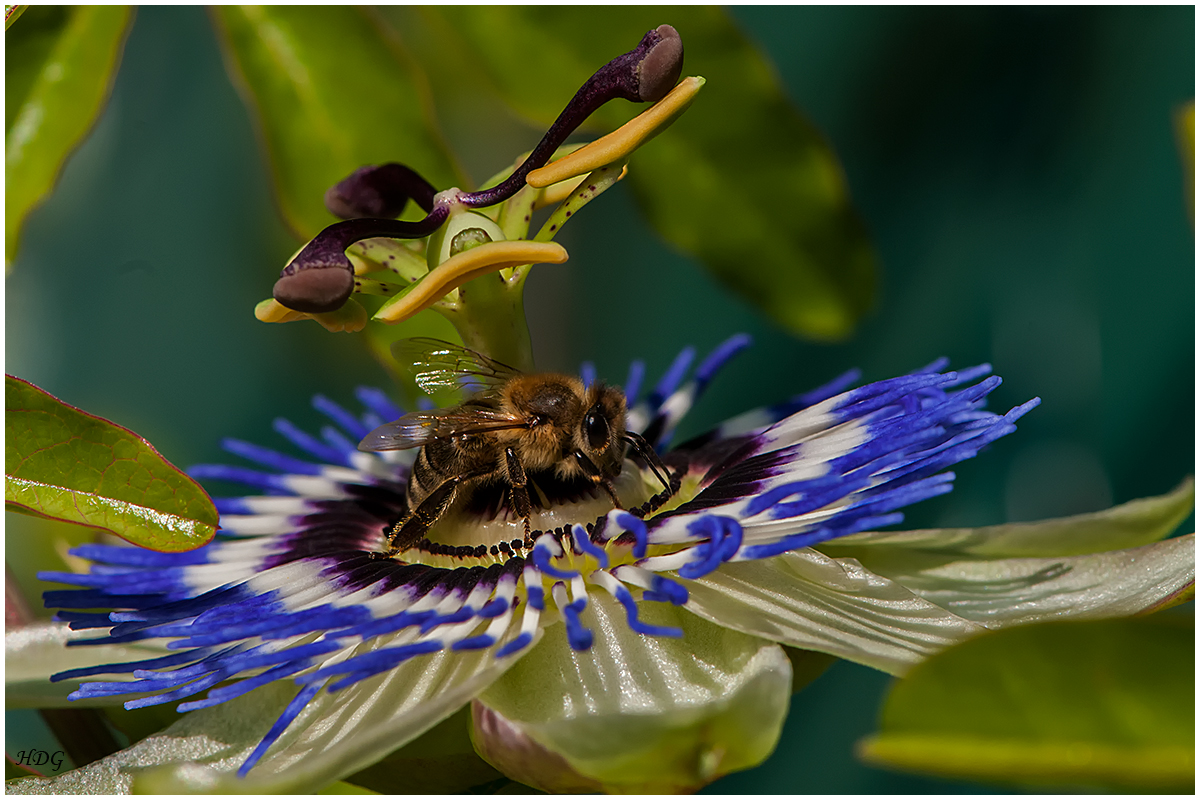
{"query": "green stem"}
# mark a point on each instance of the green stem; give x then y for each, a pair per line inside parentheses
(488, 312)
(516, 213)
(490, 318)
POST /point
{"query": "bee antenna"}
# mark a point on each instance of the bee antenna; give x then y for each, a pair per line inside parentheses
(647, 452)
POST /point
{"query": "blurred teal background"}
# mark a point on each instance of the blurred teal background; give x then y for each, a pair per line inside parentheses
(1016, 168)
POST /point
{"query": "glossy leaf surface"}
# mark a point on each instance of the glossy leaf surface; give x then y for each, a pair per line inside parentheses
(1093, 704)
(59, 63)
(66, 464)
(742, 181)
(333, 90)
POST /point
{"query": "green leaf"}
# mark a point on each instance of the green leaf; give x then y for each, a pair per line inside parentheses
(742, 181)
(12, 13)
(440, 761)
(1087, 704)
(333, 90)
(58, 68)
(342, 787)
(807, 665)
(1185, 137)
(13, 771)
(66, 464)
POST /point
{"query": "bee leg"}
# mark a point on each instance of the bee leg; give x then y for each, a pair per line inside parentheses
(517, 486)
(643, 448)
(595, 476)
(413, 527)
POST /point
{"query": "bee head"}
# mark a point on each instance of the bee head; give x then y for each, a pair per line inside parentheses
(602, 428)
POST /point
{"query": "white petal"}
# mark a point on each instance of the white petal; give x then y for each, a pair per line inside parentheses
(1131, 524)
(219, 735)
(814, 602)
(649, 714)
(35, 652)
(336, 734)
(1009, 591)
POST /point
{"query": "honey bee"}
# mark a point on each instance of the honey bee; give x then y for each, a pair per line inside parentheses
(515, 430)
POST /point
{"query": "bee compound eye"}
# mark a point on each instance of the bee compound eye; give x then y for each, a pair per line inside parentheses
(595, 427)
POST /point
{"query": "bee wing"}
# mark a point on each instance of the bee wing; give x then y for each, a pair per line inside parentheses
(422, 427)
(440, 365)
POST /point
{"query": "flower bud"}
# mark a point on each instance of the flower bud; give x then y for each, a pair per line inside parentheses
(506, 747)
(637, 713)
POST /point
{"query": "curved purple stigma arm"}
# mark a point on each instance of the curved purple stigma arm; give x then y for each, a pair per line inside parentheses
(381, 191)
(321, 278)
(644, 74)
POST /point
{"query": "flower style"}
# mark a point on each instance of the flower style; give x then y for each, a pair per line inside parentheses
(636, 645)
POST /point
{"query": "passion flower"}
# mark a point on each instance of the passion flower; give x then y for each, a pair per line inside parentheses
(635, 623)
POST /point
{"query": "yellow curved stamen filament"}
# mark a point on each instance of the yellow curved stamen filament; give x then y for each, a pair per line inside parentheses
(466, 266)
(623, 141)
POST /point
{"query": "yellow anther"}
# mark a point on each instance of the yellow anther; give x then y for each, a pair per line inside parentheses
(466, 266)
(350, 317)
(274, 311)
(619, 144)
